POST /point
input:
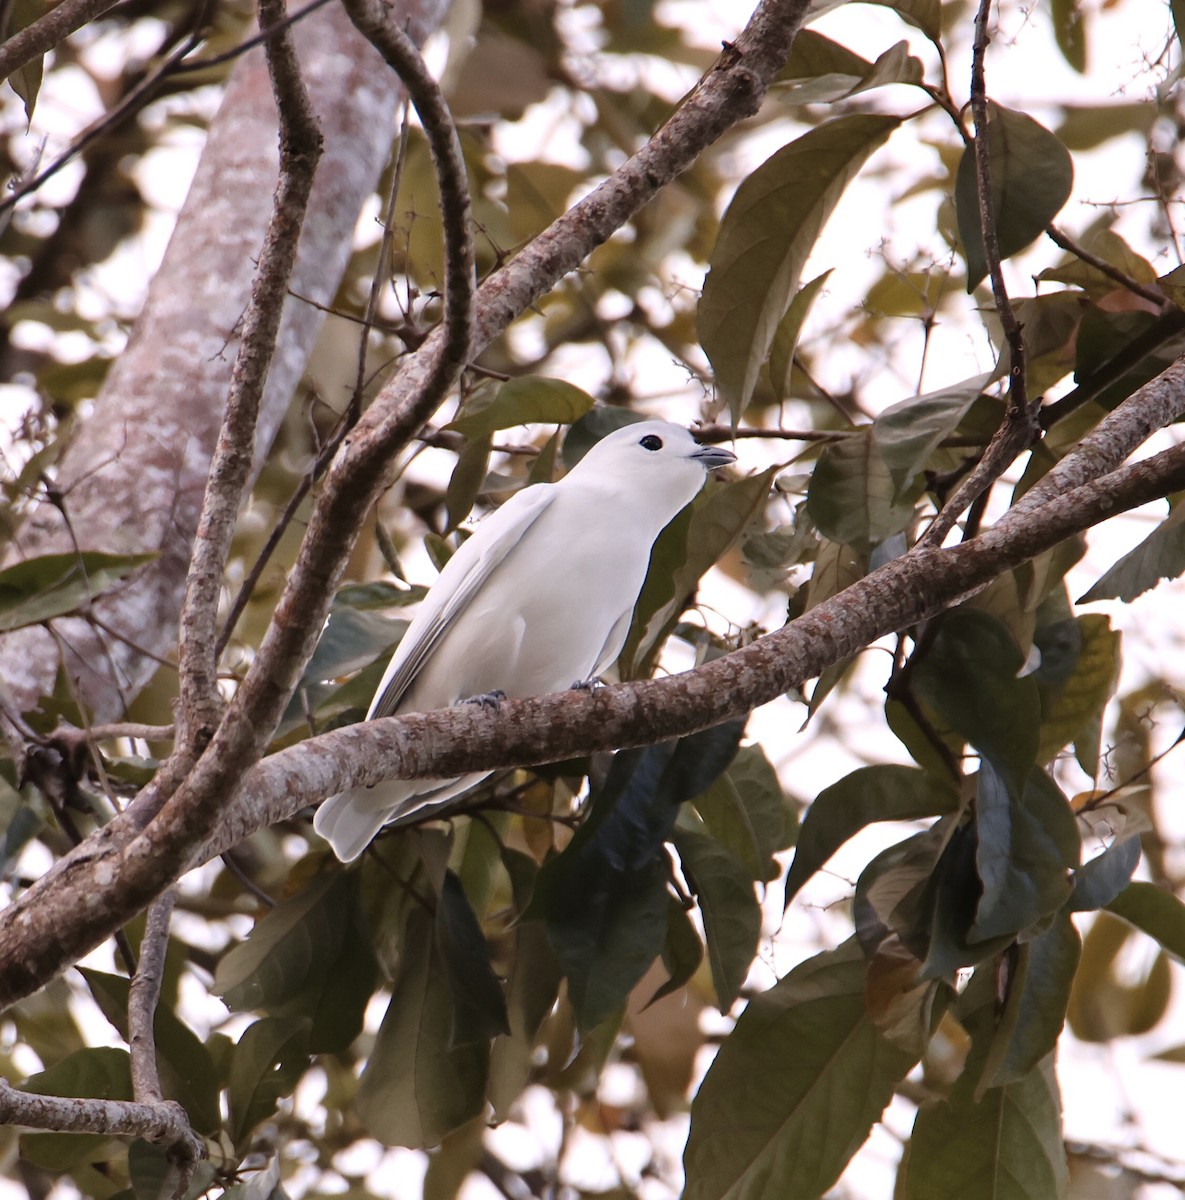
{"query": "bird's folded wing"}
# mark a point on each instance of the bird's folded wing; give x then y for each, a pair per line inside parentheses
(463, 576)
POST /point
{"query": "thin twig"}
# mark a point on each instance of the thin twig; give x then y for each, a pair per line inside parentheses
(1145, 291)
(217, 60)
(1019, 426)
(300, 150)
(143, 997)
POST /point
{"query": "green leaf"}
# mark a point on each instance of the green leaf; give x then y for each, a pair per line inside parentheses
(1005, 1146)
(1098, 882)
(795, 1088)
(682, 952)
(684, 552)
(605, 897)
(267, 1064)
(352, 638)
(968, 676)
(467, 479)
(417, 1086)
(785, 341)
(26, 80)
(1031, 174)
(1087, 690)
(1035, 1009)
(53, 585)
(907, 433)
(1157, 912)
(732, 917)
(1069, 28)
(479, 1007)
(822, 71)
(765, 237)
(589, 430)
(852, 498)
(1161, 555)
(1027, 845)
(528, 400)
(187, 1073)
(309, 956)
(886, 792)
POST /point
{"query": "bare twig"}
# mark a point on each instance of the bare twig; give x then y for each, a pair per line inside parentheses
(1019, 426)
(300, 149)
(143, 997)
(1145, 291)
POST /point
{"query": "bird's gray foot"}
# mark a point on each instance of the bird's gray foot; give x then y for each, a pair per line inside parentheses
(586, 685)
(488, 700)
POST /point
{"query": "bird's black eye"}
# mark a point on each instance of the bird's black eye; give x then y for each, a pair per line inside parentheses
(651, 442)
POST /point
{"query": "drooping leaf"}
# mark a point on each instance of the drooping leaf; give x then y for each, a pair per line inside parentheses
(907, 433)
(1027, 846)
(604, 899)
(467, 479)
(795, 1088)
(1005, 1146)
(589, 430)
(1035, 1009)
(1098, 882)
(820, 71)
(886, 792)
(26, 80)
(418, 1086)
(1069, 28)
(267, 1064)
(732, 917)
(53, 585)
(1084, 694)
(785, 341)
(352, 638)
(309, 956)
(682, 952)
(765, 237)
(1161, 555)
(1031, 174)
(1157, 912)
(527, 400)
(479, 1007)
(969, 677)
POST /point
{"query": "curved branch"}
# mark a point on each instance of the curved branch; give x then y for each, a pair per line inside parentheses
(42, 35)
(230, 469)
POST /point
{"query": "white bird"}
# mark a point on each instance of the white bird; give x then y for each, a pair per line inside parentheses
(538, 599)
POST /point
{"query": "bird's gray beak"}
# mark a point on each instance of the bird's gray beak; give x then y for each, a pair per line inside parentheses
(713, 456)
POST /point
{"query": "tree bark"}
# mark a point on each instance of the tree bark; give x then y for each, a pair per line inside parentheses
(134, 476)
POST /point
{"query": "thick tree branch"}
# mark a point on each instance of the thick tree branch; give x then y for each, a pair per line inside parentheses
(230, 470)
(42, 35)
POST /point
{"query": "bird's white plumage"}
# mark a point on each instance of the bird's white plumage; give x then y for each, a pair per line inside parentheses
(538, 598)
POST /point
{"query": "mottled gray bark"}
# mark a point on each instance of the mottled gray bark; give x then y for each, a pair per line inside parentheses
(135, 474)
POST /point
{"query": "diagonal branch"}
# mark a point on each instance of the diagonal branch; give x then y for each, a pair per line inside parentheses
(143, 997)
(42, 35)
(300, 149)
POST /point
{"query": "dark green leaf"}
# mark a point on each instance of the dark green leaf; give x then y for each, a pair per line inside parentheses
(26, 80)
(732, 917)
(881, 793)
(479, 1007)
(1006, 1145)
(1157, 912)
(351, 639)
(1098, 882)
(377, 594)
(852, 498)
(1035, 1010)
(267, 1064)
(968, 676)
(417, 1086)
(589, 430)
(1027, 845)
(99, 1071)
(825, 73)
(795, 1088)
(1161, 555)
(1031, 175)
(682, 952)
(528, 400)
(1070, 707)
(765, 237)
(53, 585)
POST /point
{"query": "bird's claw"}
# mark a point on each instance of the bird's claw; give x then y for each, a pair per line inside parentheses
(586, 685)
(488, 699)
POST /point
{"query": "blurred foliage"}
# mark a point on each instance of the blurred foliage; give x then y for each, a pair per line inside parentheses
(578, 924)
